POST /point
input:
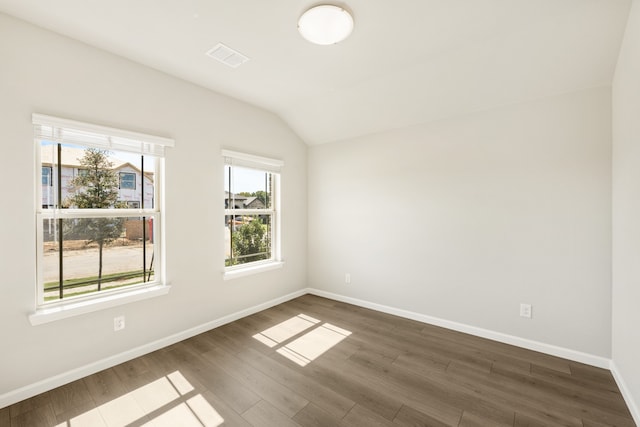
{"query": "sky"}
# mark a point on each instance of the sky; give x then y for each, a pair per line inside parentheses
(244, 179)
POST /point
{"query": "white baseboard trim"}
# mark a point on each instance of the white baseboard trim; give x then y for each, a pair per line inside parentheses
(589, 359)
(47, 384)
(50, 383)
(626, 394)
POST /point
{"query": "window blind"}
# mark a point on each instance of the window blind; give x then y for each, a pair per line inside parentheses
(235, 158)
(66, 131)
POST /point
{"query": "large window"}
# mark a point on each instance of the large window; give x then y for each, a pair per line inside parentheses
(91, 240)
(251, 210)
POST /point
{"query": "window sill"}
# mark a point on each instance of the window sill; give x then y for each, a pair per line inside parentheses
(51, 314)
(247, 271)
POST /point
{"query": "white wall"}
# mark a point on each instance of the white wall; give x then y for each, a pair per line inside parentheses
(626, 211)
(45, 73)
(465, 219)
(461, 219)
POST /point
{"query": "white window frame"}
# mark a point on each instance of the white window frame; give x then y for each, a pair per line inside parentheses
(64, 131)
(274, 166)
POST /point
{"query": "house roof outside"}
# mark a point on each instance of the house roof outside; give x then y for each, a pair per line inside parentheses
(234, 196)
(71, 158)
(247, 202)
(254, 202)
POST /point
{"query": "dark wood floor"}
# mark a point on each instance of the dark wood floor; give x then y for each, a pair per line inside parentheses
(376, 370)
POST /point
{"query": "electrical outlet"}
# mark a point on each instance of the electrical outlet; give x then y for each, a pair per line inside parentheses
(118, 323)
(525, 310)
(347, 278)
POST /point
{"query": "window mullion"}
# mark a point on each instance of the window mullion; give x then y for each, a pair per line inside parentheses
(232, 218)
(60, 224)
(144, 225)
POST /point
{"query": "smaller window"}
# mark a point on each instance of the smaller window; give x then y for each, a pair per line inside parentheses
(127, 181)
(252, 235)
(135, 204)
(46, 176)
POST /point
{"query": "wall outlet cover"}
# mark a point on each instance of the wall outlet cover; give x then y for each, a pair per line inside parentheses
(118, 323)
(525, 310)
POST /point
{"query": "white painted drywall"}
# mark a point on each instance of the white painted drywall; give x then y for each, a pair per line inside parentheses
(626, 210)
(465, 219)
(41, 72)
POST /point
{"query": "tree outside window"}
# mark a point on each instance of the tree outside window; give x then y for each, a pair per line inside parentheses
(96, 188)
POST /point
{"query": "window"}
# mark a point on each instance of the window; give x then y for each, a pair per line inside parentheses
(251, 201)
(46, 176)
(92, 243)
(127, 181)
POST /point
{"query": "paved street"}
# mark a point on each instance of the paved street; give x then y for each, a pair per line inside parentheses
(84, 262)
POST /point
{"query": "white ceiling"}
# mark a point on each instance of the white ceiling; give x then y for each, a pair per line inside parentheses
(406, 62)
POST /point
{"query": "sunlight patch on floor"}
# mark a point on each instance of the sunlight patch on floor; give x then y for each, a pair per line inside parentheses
(169, 401)
(307, 347)
(195, 412)
(313, 344)
(283, 331)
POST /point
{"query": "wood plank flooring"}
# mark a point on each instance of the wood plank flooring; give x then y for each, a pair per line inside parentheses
(317, 362)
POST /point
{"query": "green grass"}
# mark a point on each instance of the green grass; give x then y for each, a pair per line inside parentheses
(93, 280)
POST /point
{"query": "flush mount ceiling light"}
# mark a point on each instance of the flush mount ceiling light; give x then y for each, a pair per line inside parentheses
(325, 24)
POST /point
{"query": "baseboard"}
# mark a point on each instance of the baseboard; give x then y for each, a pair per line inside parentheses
(42, 386)
(589, 359)
(628, 398)
(47, 384)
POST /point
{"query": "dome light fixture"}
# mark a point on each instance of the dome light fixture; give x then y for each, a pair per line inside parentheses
(325, 24)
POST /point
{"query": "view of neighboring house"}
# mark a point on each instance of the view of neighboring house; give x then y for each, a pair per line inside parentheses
(253, 203)
(238, 201)
(130, 187)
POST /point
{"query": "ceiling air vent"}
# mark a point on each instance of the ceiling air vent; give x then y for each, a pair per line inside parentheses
(227, 56)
